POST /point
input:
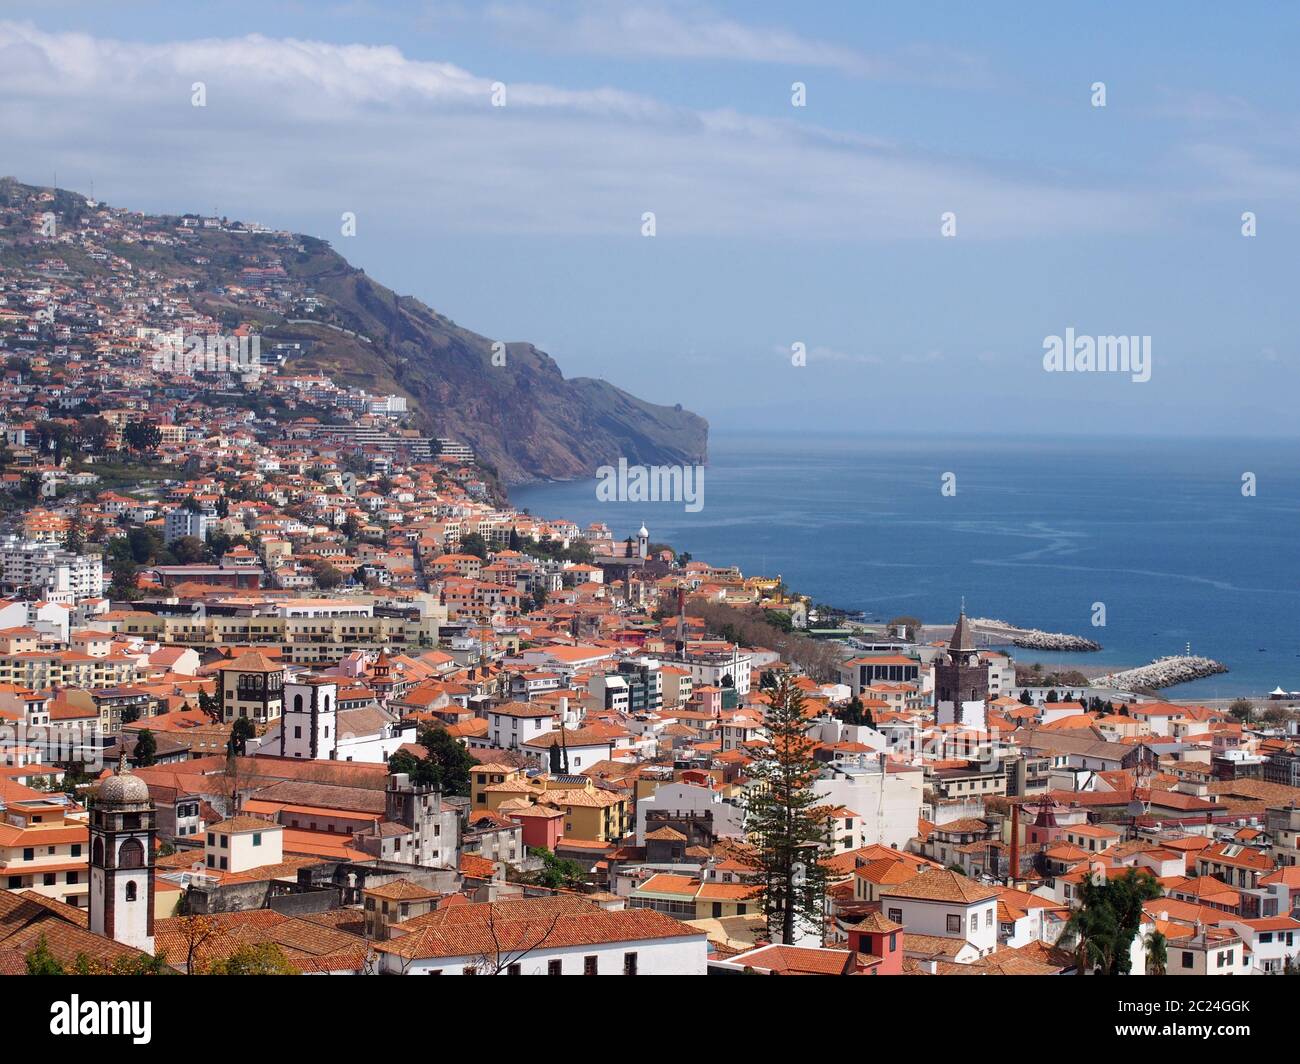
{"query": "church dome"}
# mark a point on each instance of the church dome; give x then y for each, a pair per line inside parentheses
(123, 788)
(644, 532)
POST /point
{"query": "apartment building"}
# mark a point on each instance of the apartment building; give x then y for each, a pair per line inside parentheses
(42, 850)
(49, 572)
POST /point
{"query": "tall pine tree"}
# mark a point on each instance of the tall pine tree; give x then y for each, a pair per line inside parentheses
(782, 824)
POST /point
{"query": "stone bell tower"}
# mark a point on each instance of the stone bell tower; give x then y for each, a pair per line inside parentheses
(961, 680)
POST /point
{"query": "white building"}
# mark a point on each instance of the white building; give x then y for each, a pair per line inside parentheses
(946, 904)
(1207, 951)
(313, 728)
(543, 936)
(183, 522)
(515, 723)
(888, 800)
(1272, 941)
(242, 843)
(50, 572)
(717, 669)
(690, 800)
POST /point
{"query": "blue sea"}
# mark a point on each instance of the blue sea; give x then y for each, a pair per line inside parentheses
(1036, 533)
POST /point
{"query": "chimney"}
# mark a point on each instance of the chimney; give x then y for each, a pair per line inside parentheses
(1014, 870)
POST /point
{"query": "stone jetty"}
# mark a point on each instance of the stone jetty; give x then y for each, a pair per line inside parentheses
(1163, 672)
(1031, 638)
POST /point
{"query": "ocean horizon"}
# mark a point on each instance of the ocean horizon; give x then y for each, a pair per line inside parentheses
(1033, 531)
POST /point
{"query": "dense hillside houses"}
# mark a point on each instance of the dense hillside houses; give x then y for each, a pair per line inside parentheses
(280, 663)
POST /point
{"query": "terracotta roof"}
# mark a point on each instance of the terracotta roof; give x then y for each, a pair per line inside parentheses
(488, 928)
(937, 884)
(797, 960)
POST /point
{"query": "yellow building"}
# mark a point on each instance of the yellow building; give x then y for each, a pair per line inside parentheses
(590, 813)
(483, 776)
(307, 640)
(688, 898)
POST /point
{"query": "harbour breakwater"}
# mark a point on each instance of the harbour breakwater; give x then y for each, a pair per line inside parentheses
(1163, 672)
(1030, 638)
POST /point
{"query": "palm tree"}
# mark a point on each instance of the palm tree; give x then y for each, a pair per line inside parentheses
(1106, 923)
(1157, 953)
(1093, 929)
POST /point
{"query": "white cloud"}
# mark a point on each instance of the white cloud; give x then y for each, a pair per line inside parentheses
(366, 128)
(690, 32)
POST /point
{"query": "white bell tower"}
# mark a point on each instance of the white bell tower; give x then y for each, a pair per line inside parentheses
(309, 718)
(122, 829)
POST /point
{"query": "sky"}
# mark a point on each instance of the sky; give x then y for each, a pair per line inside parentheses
(775, 225)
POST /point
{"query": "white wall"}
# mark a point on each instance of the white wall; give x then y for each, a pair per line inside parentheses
(889, 819)
(728, 820)
(678, 956)
(931, 918)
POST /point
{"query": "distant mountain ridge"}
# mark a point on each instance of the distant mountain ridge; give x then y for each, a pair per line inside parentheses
(523, 418)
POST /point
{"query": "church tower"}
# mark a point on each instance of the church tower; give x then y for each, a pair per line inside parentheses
(309, 726)
(961, 680)
(122, 829)
(643, 543)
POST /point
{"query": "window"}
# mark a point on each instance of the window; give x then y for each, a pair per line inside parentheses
(130, 890)
(554, 967)
(988, 918)
(896, 915)
(48, 879)
(1187, 959)
(76, 849)
(629, 964)
(131, 854)
(515, 969)
(589, 966)
(257, 838)
(29, 853)
(954, 925)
